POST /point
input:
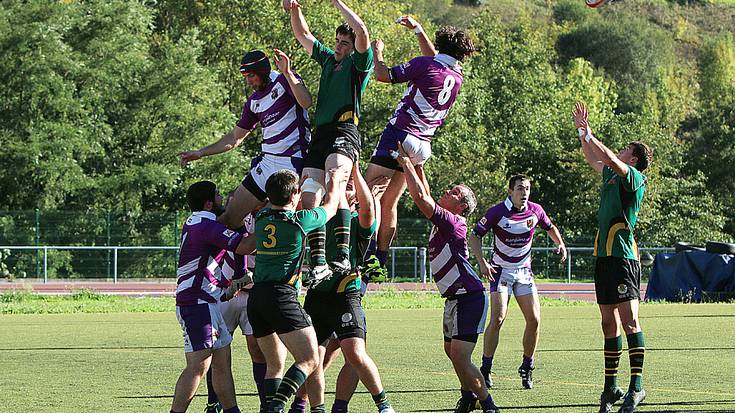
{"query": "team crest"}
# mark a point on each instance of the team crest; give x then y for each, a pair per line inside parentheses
(228, 233)
(346, 317)
(622, 289)
(259, 170)
(529, 223)
(274, 94)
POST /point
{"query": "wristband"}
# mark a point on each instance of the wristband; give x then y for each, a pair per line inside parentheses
(418, 29)
(586, 133)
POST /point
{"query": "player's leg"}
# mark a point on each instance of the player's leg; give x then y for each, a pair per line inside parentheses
(302, 344)
(628, 312)
(248, 196)
(354, 350)
(389, 215)
(275, 357)
(528, 301)
(197, 364)
(347, 381)
(340, 262)
(313, 190)
(330, 353)
(260, 366)
(498, 311)
(222, 378)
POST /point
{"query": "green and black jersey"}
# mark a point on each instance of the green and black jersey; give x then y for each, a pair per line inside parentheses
(620, 201)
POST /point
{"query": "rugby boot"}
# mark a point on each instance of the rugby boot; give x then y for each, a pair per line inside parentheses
(632, 400)
(213, 408)
(488, 406)
(386, 409)
(316, 275)
(341, 264)
(487, 375)
(373, 270)
(526, 377)
(609, 397)
(466, 405)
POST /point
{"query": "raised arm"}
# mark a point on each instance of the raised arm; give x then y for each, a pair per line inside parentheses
(299, 26)
(596, 153)
(425, 44)
(419, 193)
(382, 71)
(299, 90)
(365, 198)
(560, 247)
(230, 140)
(362, 37)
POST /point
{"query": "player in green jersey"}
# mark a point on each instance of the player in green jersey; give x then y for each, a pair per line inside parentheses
(335, 142)
(273, 308)
(617, 268)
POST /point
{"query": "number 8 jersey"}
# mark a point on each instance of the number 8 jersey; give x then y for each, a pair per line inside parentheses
(433, 85)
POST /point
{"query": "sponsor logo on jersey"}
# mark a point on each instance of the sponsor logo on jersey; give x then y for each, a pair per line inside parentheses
(228, 233)
(274, 94)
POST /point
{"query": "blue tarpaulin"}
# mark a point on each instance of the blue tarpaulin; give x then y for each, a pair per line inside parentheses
(692, 276)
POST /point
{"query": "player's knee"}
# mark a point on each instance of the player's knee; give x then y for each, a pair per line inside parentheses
(631, 326)
(533, 323)
(496, 323)
(609, 327)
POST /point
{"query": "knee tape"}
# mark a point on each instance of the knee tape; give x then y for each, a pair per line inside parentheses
(313, 186)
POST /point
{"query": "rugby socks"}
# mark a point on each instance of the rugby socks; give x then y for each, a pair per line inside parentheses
(381, 400)
(340, 406)
(270, 386)
(613, 350)
(259, 377)
(211, 394)
(292, 380)
(467, 395)
(488, 403)
(318, 409)
(231, 410)
(342, 232)
(636, 352)
(298, 405)
(527, 363)
(487, 366)
(317, 244)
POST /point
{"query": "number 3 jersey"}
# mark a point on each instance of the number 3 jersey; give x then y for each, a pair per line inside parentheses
(433, 85)
(279, 243)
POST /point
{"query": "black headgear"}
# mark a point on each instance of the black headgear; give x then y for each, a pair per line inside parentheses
(255, 61)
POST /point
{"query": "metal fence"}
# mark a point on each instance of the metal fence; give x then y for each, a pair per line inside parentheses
(129, 262)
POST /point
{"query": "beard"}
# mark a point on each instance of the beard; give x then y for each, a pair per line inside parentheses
(218, 209)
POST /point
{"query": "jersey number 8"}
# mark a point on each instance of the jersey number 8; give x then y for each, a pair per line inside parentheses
(446, 92)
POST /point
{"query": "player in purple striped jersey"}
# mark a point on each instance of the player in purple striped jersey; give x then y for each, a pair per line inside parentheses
(513, 223)
(199, 285)
(434, 80)
(279, 102)
(465, 308)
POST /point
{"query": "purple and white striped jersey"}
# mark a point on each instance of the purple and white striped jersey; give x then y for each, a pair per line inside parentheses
(285, 123)
(204, 243)
(448, 255)
(434, 83)
(513, 230)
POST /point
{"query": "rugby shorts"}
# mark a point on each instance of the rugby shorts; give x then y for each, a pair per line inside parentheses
(513, 281)
(464, 316)
(338, 313)
(235, 313)
(203, 327)
(275, 308)
(617, 280)
(385, 153)
(265, 165)
(341, 138)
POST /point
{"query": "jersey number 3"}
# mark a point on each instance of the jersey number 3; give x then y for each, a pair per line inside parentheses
(446, 91)
(271, 242)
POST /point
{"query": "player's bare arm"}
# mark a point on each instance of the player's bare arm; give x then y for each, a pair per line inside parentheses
(362, 37)
(366, 214)
(298, 25)
(229, 141)
(561, 249)
(299, 90)
(382, 71)
(246, 245)
(421, 197)
(425, 44)
(596, 153)
(486, 269)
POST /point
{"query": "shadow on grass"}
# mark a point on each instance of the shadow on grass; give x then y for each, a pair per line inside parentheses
(648, 349)
(592, 406)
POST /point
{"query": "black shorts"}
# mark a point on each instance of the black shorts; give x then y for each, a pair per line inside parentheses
(275, 308)
(617, 280)
(336, 313)
(341, 138)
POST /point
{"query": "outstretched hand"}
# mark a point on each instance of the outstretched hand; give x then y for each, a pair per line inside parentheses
(290, 4)
(283, 63)
(188, 156)
(579, 114)
(407, 21)
(562, 251)
(378, 45)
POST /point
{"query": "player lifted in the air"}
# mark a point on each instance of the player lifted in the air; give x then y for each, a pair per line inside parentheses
(618, 266)
(513, 223)
(336, 140)
(434, 80)
(279, 102)
(465, 308)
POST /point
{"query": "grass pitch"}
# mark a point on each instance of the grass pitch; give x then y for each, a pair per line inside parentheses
(129, 362)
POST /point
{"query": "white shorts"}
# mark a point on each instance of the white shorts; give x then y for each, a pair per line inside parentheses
(235, 313)
(265, 165)
(203, 327)
(418, 151)
(514, 281)
(464, 316)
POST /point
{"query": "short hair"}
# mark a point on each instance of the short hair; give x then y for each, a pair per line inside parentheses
(345, 29)
(469, 198)
(515, 178)
(454, 42)
(644, 154)
(281, 186)
(199, 193)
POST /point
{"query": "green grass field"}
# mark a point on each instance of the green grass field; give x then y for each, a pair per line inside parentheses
(129, 361)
